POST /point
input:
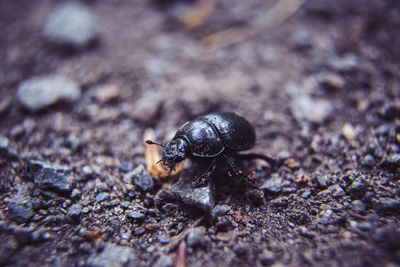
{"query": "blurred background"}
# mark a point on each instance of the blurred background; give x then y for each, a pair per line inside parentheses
(81, 81)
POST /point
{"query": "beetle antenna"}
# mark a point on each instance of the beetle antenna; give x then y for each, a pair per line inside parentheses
(153, 143)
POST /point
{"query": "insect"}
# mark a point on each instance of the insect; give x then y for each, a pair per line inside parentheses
(212, 138)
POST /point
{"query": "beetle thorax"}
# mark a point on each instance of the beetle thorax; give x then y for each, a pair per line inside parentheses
(174, 152)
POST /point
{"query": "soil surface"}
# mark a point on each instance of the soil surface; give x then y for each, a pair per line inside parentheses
(322, 90)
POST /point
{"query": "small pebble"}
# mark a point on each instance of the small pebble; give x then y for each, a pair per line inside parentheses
(274, 184)
(389, 205)
(134, 215)
(311, 109)
(71, 24)
(220, 210)
(51, 176)
(140, 177)
(163, 238)
(139, 231)
(164, 261)
(125, 166)
(301, 39)
(359, 206)
(20, 209)
(112, 255)
(42, 91)
(266, 257)
(196, 236)
(102, 196)
(347, 62)
(348, 131)
(107, 93)
(368, 161)
(75, 210)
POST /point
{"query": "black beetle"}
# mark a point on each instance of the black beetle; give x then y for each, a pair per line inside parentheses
(209, 138)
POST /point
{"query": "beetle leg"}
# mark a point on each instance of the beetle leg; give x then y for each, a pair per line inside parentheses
(251, 156)
(238, 171)
(210, 168)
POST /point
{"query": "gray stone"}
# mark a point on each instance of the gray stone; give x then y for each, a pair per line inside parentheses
(112, 256)
(163, 238)
(325, 216)
(3, 142)
(364, 226)
(140, 177)
(368, 161)
(5, 150)
(357, 188)
(41, 91)
(323, 180)
(139, 231)
(334, 190)
(75, 210)
(71, 24)
(307, 193)
(347, 62)
(220, 210)
(125, 166)
(102, 196)
(241, 250)
(22, 234)
(200, 196)
(52, 177)
(301, 39)
(393, 160)
(75, 193)
(134, 215)
(311, 109)
(389, 205)
(266, 257)
(274, 184)
(196, 237)
(164, 261)
(359, 206)
(20, 208)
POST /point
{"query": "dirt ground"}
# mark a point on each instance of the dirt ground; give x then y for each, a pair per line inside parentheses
(322, 90)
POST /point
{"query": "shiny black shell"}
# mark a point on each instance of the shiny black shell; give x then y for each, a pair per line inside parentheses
(210, 135)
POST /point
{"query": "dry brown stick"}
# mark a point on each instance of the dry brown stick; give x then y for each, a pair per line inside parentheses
(281, 11)
(180, 260)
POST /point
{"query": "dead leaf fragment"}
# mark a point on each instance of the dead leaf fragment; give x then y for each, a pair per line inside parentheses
(153, 157)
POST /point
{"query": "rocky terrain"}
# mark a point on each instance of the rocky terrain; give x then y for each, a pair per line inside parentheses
(82, 82)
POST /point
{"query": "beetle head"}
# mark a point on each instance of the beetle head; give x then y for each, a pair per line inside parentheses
(174, 152)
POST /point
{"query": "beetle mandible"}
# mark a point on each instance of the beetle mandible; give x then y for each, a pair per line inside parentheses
(211, 138)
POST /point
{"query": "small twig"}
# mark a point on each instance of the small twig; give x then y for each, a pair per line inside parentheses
(281, 11)
(180, 260)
